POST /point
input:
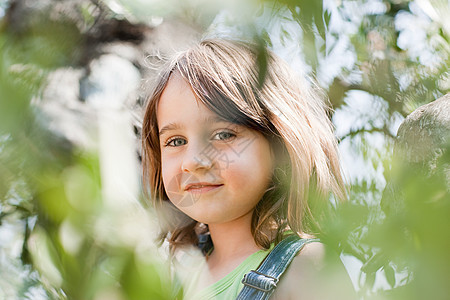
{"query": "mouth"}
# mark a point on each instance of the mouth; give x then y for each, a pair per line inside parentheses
(201, 187)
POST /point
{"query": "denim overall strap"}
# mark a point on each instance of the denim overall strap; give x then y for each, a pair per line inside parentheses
(261, 283)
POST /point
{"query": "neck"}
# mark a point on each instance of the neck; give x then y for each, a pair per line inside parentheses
(232, 240)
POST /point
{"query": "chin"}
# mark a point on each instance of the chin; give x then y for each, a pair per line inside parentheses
(211, 219)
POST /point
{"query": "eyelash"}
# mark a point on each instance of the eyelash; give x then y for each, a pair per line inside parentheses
(232, 136)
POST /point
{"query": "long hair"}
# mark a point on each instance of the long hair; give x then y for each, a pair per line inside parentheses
(225, 76)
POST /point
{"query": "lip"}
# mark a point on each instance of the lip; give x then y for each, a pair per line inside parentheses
(201, 187)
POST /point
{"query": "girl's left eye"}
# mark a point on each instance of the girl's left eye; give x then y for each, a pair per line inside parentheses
(224, 136)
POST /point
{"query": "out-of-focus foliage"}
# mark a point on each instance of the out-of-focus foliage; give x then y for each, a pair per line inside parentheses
(84, 248)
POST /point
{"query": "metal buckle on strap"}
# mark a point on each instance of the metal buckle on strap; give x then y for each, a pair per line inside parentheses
(273, 281)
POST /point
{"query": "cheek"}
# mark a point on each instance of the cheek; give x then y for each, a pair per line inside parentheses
(169, 172)
(251, 168)
(171, 178)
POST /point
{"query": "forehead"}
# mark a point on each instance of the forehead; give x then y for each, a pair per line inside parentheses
(178, 103)
(176, 85)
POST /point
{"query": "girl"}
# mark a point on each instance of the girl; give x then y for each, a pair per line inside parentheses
(237, 162)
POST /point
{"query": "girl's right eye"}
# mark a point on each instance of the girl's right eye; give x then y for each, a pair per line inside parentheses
(176, 142)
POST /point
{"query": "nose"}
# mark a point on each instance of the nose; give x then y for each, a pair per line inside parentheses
(196, 158)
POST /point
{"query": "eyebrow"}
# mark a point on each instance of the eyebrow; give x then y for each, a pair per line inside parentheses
(176, 126)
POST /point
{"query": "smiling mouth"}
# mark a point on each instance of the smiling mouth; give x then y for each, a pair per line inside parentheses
(202, 187)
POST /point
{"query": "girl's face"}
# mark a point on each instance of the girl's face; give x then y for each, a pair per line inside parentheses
(213, 170)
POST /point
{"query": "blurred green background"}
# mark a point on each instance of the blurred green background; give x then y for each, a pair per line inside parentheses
(73, 75)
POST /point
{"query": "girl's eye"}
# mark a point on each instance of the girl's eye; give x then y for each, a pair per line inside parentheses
(224, 136)
(176, 142)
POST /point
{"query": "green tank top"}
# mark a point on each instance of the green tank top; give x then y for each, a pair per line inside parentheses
(229, 286)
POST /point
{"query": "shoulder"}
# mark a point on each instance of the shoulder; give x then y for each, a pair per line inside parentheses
(311, 253)
(315, 273)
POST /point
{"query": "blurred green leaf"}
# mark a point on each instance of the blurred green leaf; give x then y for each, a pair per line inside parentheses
(390, 275)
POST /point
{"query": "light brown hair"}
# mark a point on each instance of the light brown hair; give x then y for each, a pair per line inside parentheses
(226, 76)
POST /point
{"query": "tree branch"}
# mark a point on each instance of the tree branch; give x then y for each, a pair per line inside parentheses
(355, 132)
